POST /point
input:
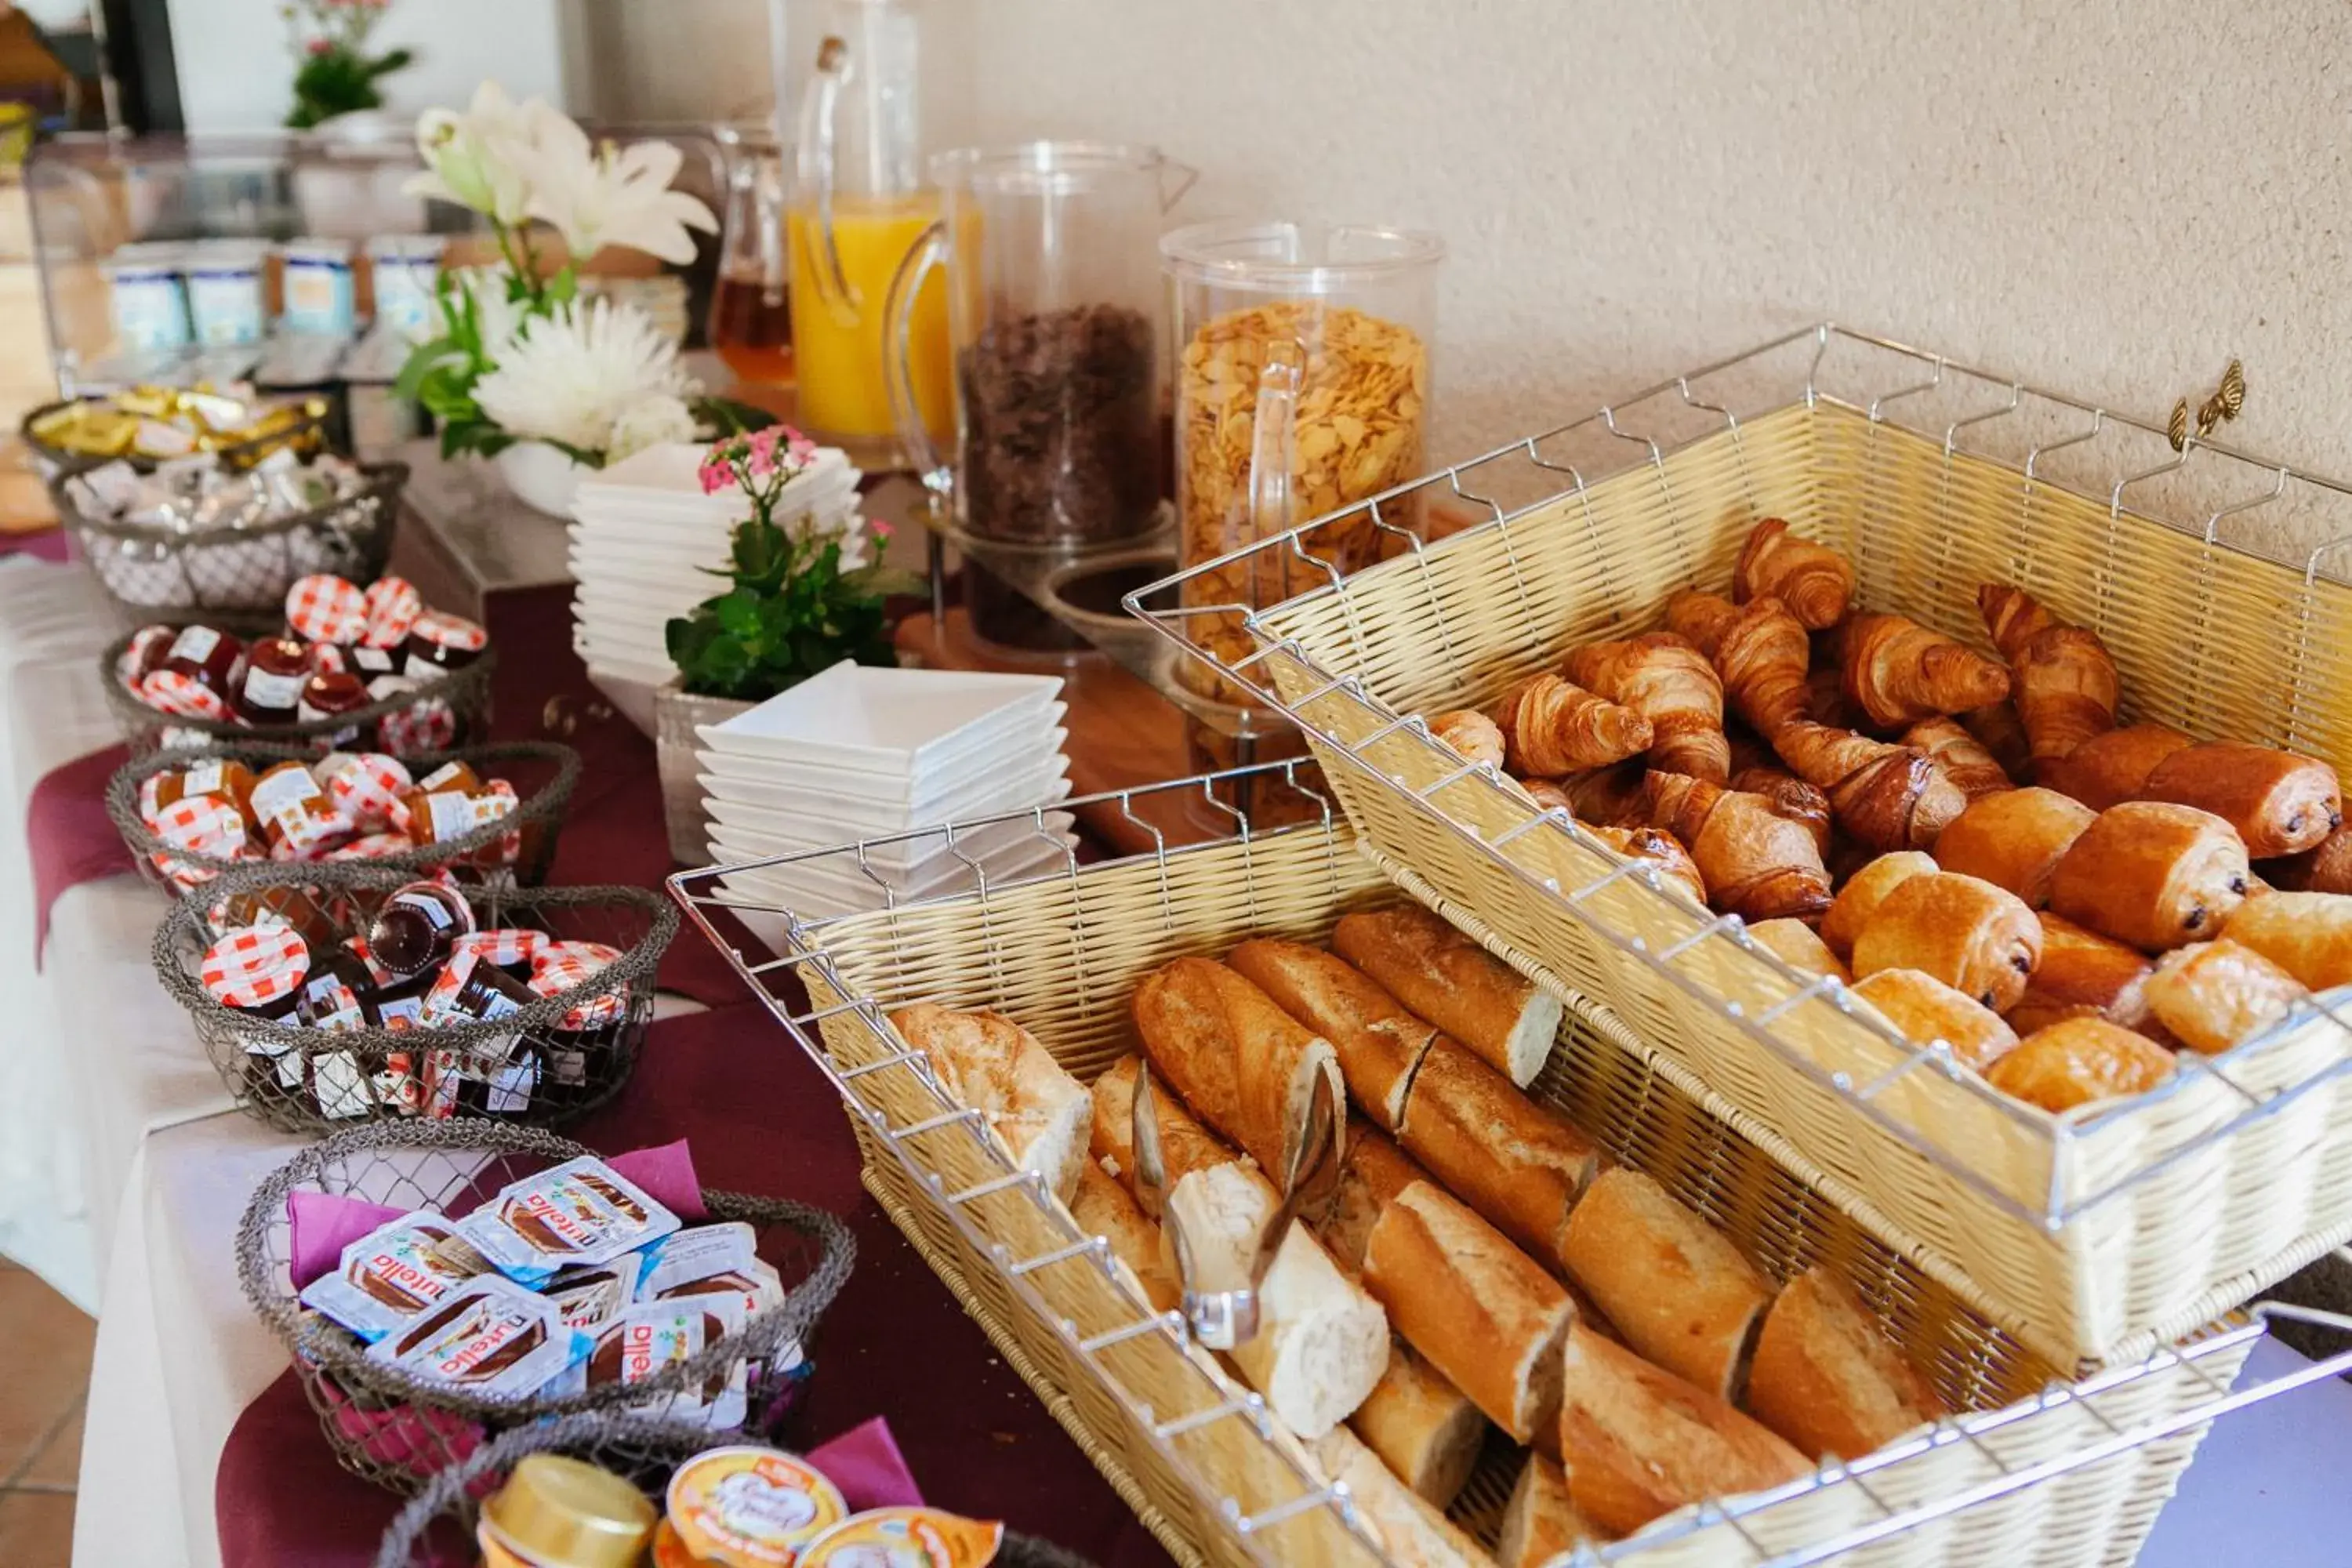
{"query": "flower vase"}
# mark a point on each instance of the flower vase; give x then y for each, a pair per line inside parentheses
(684, 810)
(544, 478)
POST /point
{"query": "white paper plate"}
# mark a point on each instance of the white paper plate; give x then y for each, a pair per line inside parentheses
(882, 719)
(862, 817)
(920, 799)
(783, 832)
(1021, 731)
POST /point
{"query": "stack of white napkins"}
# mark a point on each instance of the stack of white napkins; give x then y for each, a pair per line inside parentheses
(644, 542)
(860, 753)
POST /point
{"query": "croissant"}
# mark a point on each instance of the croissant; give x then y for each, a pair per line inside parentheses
(1979, 939)
(1815, 582)
(2111, 768)
(2212, 994)
(2309, 935)
(1610, 797)
(1925, 1009)
(2012, 617)
(1964, 759)
(2082, 975)
(1825, 698)
(1865, 891)
(1799, 946)
(2153, 875)
(2015, 839)
(1550, 726)
(1699, 617)
(1899, 673)
(1756, 864)
(2280, 803)
(1474, 737)
(1547, 794)
(2079, 1061)
(2325, 870)
(1665, 679)
(1762, 653)
(1888, 797)
(1675, 863)
(1790, 796)
(2000, 732)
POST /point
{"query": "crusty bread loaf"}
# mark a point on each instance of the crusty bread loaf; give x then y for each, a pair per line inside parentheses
(1445, 977)
(1678, 1291)
(1541, 1521)
(1424, 1428)
(1102, 1207)
(1185, 1145)
(1414, 1534)
(1827, 1380)
(1483, 1312)
(1322, 1344)
(1497, 1151)
(1247, 1066)
(1002, 1070)
(1372, 1173)
(1378, 1042)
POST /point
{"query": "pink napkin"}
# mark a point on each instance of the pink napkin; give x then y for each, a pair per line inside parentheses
(322, 1224)
(865, 1463)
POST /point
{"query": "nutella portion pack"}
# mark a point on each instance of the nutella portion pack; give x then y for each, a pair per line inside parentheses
(645, 1340)
(711, 1260)
(572, 1216)
(591, 1297)
(394, 1274)
(489, 1338)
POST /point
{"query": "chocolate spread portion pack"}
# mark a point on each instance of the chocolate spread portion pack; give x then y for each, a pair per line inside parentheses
(487, 1338)
(648, 1338)
(394, 1274)
(572, 1216)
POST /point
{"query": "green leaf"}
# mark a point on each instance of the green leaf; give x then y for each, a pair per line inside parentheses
(565, 287)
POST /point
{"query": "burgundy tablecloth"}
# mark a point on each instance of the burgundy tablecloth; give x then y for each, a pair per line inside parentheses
(51, 544)
(895, 1343)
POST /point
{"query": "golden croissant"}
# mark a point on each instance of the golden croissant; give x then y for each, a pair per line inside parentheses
(1899, 673)
(1551, 726)
(1815, 582)
(1665, 679)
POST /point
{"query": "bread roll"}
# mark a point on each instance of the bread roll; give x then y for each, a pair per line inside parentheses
(1185, 1145)
(1925, 1009)
(1379, 1045)
(1541, 1521)
(1249, 1069)
(2081, 975)
(1372, 1173)
(2213, 994)
(1477, 1307)
(1002, 1070)
(2152, 875)
(2325, 870)
(1638, 1442)
(1424, 1428)
(1102, 1207)
(1860, 898)
(1679, 1292)
(2015, 839)
(1979, 939)
(2279, 803)
(1497, 1151)
(2309, 935)
(1322, 1344)
(2107, 770)
(1443, 976)
(2079, 1061)
(1414, 1534)
(1796, 944)
(1827, 1380)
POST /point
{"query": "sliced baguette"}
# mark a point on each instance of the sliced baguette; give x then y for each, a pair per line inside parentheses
(1541, 1521)
(1185, 1145)
(1827, 1380)
(1414, 1534)
(1424, 1428)
(1373, 1171)
(1102, 1207)
(1518, 1164)
(1380, 1043)
(1002, 1070)
(1450, 980)
(1247, 1066)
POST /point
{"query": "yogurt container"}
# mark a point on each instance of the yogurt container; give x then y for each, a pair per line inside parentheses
(147, 297)
(225, 291)
(319, 296)
(406, 267)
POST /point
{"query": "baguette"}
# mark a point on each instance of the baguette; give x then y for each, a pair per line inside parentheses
(1637, 1442)
(1424, 1428)
(1247, 1067)
(1102, 1207)
(1541, 1521)
(1322, 1343)
(1827, 1380)
(1002, 1070)
(1185, 1145)
(1483, 1312)
(1445, 977)
(1379, 1045)
(2309, 935)
(1518, 1164)
(1372, 1173)
(1414, 1534)
(1679, 1292)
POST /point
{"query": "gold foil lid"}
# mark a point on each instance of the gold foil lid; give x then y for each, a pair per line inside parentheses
(559, 1509)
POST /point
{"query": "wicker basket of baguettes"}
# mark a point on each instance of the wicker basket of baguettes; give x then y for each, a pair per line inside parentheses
(1981, 844)
(1554, 1303)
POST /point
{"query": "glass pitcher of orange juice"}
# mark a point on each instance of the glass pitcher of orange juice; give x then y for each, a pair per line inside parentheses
(859, 205)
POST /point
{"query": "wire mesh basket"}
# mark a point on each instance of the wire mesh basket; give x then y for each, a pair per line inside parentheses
(2035, 1467)
(516, 847)
(436, 1528)
(546, 1063)
(2073, 1230)
(237, 577)
(450, 710)
(398, 1430)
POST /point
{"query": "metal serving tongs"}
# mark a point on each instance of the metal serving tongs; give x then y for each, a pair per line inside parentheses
(1223, 1312)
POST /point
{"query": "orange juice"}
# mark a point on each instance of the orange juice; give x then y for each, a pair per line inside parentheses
(842, 344)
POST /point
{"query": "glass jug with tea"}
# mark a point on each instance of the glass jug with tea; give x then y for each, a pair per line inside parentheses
(751, 304)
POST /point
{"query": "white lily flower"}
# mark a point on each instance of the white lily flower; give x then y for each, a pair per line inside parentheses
(474, 159)
(571, 377)
(597, 196)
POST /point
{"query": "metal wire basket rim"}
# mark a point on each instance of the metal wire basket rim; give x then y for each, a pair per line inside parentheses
(188, 918)
(129, 708)
(380, 481)
(548, 800)
(69, 463)
(310, 1337)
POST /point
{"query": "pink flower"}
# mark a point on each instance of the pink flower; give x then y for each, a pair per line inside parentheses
(319, 45)
(762, 460)
(715, 474)
(880, 529)
(803, 449)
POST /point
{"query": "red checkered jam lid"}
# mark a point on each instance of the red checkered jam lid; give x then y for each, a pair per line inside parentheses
(591, 955)
(445, 630)
(182, 696)
(391, 607)
(327, 609)
(423, 726)
(255, 966)
(201, 824)
(553, 979)
(367, 787)
(372, 847)
(504, 946)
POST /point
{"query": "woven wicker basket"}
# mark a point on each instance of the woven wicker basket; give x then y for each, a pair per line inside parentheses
(1062, 955)
(236, 578)
(518, 847)
(400, 1431)
(310, 1081)
(437, 1526)
(454, 710)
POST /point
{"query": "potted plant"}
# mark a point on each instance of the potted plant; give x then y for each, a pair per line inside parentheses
(799, 601)
(334, 76)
